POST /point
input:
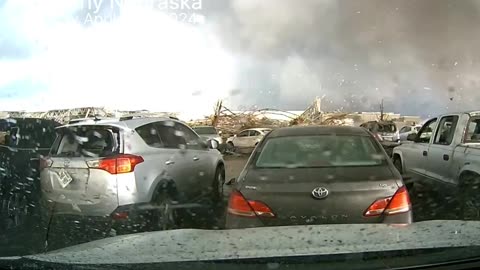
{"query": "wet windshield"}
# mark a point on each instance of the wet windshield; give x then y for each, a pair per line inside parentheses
(139, 131)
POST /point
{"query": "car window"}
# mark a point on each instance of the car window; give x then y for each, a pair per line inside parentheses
(371, 126)
(150, 135)
(169, 136)
(319, 151)
(243, 133)
(405, 129)
(389, 128)
(254, 133)
(426, 131)
(192, 140)
(446, 130)
(86, 141)
(473, 130)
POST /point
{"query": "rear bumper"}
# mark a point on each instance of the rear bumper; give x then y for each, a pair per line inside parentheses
(94, 224)
(236, 222)
(101, 208)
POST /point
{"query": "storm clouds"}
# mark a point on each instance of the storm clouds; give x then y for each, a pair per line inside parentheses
(421, 57)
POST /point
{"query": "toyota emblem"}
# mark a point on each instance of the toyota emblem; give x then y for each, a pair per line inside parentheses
(320, 193)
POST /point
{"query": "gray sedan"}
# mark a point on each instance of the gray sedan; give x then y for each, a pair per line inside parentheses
(318, 175)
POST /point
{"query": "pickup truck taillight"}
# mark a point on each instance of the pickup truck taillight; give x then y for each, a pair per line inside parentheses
(117, 164)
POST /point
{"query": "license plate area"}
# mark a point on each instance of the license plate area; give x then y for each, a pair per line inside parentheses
(64, 178)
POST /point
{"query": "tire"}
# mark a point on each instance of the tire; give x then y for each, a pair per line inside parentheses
(230, 147)
(222, 148)
(469, 196)
(164, 217)
(218, 185)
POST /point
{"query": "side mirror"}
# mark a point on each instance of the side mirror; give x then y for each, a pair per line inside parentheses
(212, 144)
(412, 137)
(231, 181)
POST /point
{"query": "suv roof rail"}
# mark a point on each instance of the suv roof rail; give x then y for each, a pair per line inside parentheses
(138, 116)
(94, 119)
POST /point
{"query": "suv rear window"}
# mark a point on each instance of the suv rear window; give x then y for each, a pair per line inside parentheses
(319, 151)
(386, 128)
(87, 141)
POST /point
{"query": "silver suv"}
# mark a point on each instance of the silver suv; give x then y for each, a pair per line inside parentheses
(121, 168)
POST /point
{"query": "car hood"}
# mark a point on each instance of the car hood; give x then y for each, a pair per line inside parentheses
(203, 245)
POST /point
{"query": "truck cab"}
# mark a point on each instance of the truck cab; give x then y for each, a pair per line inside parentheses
(443, 160)
(444, 148)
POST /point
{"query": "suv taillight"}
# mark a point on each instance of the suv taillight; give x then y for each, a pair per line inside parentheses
(45, 163)
(398, 203)
(239, 206)
(117, 164)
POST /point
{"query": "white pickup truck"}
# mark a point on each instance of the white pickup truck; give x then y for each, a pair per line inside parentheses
(445, 157)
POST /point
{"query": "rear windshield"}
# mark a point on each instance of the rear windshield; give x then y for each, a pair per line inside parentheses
(205, 130)
(386, 128)
(87, 141)
(319, 151)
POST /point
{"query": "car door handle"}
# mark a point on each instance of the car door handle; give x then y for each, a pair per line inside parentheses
(169, 162)
(425, 153)
(196, 158)
(446, 157)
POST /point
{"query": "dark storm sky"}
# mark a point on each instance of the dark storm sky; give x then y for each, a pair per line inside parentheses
(417, 55)
(421, 57)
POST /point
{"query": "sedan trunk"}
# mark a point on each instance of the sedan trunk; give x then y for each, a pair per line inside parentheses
(288, 193)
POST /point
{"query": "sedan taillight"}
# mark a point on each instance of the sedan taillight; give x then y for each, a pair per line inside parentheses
(398, 203)
(239, 206)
